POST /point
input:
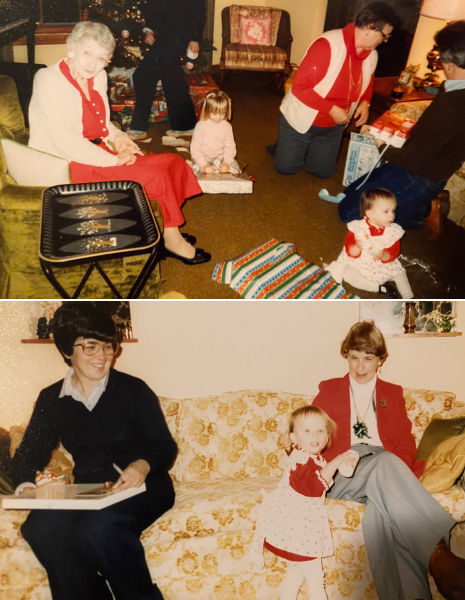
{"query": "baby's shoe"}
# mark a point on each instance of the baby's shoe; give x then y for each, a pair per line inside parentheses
(388, 290)
(324, 195)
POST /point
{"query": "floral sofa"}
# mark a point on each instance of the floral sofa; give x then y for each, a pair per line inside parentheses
(229, 450)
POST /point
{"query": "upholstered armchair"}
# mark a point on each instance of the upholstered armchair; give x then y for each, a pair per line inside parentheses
(20, 214)
(256, 38)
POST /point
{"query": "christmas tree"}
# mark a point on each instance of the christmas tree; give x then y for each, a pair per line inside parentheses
(124, 19)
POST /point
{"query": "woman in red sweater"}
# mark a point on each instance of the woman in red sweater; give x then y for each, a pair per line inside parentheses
(333, 83)
(404, 527)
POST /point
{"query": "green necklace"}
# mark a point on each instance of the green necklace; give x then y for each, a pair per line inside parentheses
(359, 427)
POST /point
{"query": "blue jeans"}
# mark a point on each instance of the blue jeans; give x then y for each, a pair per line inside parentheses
(414, 195)
(318, 149)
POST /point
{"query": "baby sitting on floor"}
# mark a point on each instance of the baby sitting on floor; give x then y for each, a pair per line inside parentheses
(369, 257)
(213, 148)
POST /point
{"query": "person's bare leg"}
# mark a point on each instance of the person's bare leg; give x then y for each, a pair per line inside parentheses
(176, 243)
(448, 572)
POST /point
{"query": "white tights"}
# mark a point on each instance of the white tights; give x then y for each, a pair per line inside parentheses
(310, 571)
(356, 279)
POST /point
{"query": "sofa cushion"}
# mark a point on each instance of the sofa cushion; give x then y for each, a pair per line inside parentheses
(32, 167)
(255, 30)
(237, 12)
(254, 57)
(425, 405)
(234, 435)
(445, 465)
(437, 431)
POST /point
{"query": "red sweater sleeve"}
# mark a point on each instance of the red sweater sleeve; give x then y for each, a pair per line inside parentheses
(307, 480)
(350, 241)
(393, 252)
(312, 69)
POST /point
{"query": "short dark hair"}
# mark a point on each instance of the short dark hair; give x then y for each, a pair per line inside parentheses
(369, 197)
(451, 44)
(376, 16)
(81, 319)
(365, 337)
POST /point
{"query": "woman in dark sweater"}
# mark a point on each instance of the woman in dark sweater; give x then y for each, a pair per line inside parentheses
(103, 418)
(418, 171)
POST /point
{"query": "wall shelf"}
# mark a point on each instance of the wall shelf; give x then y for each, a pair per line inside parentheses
(51, 341)
(419, 334)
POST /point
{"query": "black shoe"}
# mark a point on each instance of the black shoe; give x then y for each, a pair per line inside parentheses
(388, 290)
(190, 239)
(200, 256)
(271, 150)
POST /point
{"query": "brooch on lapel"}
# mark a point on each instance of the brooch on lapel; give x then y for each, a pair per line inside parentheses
(383, 402)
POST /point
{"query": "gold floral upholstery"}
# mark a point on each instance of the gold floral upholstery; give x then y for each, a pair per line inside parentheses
(229, 451)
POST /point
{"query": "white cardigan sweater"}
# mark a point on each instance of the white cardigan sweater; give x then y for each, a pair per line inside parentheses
(299, 115)
(55, 117)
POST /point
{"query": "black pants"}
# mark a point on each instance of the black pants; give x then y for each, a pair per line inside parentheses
(163, 62)
(80, 549)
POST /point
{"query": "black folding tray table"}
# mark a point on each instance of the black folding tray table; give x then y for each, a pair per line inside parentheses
(93, 222)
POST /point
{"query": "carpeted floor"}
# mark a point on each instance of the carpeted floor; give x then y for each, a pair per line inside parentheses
(287, 208)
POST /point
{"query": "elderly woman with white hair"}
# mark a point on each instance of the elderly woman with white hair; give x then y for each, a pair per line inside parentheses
(69, 117)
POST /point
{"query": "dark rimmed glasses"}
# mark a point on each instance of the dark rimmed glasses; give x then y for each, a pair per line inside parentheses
(386, 36)
(92, 347)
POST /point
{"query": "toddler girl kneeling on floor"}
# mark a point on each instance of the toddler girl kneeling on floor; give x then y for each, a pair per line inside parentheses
(292, 521)
(213, 148)
(369, 257)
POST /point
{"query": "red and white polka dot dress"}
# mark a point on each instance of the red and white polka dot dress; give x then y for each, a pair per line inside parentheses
(292, 521)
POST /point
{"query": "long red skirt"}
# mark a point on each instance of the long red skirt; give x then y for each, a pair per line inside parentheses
(165, 177)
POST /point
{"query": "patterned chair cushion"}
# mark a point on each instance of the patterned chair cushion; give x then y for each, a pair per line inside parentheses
(254, 57)
(255, 30)
(255, 12)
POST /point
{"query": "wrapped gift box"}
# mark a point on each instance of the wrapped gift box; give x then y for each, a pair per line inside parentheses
(361, 157)
(392, 128)
(199, 86)
(225, 183)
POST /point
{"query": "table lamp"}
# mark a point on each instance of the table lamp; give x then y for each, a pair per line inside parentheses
(446, 10)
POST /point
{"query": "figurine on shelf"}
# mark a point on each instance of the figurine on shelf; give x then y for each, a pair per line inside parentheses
(431, 82)
(42, 329)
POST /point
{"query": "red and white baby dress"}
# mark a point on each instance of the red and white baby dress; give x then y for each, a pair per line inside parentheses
(292, 520)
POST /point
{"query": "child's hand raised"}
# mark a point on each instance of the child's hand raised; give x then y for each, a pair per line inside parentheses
(286, 441)
(349, 461)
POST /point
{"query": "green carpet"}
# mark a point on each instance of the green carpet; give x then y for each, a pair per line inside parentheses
(288, 209)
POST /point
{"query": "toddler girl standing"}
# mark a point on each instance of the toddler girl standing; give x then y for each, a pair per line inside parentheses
(369, 257)
(292, 521)
(213, 147)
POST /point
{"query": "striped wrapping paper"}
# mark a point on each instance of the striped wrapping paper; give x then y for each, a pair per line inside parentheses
(275, 270)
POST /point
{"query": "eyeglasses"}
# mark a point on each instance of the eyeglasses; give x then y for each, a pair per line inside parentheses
(90, 348)
(386, 36)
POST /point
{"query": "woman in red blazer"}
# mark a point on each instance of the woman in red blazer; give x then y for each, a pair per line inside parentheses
(406, 530)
